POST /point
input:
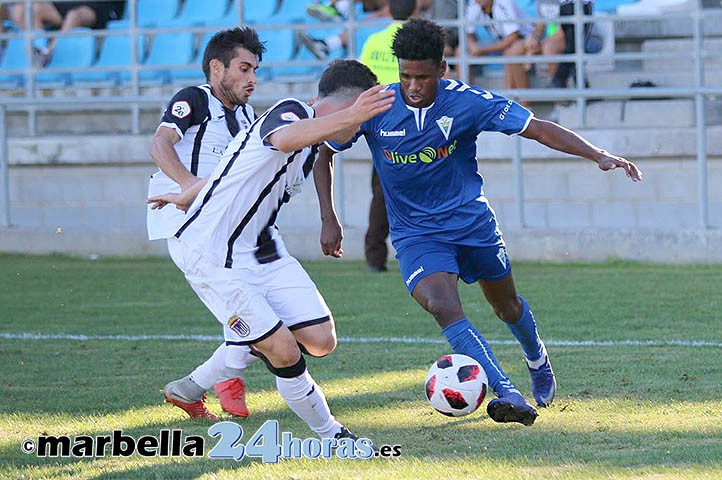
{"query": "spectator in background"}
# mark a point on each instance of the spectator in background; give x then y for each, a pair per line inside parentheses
(507, 38)
(339, 11)
(442, 10)
(65, 16)
(333, 10)
(566, 69)
(377, 54)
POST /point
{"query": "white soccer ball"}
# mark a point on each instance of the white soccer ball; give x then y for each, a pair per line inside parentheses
(456, 385)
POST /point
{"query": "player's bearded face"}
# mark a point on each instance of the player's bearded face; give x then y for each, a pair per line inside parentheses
(420, 81)
(239, 78)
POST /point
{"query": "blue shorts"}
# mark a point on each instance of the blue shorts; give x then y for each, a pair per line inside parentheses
(470, 263)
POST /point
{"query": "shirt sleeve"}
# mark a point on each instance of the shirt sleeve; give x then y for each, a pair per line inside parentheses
(499, 114)
(281, 116)
(188, 107)
(340, 147)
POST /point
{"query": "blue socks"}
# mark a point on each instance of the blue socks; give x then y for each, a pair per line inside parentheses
(526, 333)
(465, 339)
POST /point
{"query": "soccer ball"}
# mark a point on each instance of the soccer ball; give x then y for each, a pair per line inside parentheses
(456, 385)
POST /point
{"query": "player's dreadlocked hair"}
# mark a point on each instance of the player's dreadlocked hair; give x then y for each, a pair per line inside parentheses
(419, 39)
(345, 77)
(222, 46)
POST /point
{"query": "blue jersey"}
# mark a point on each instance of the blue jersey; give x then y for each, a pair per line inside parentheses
(426, 161)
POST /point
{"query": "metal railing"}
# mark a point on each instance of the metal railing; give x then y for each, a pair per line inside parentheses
(30, 102)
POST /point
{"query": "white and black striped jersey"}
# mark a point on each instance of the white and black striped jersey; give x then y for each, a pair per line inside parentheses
(232, 220)
(205, 127)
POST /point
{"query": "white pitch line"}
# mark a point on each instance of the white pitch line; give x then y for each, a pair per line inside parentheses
(411, 340)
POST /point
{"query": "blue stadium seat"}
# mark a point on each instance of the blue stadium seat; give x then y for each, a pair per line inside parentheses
(200, 12)
(115, 52)
(14, 58)
(167, 49)
(298, 72)
(609, 6)
(69, 52)
(256, 11)
(280, 47)
(193, 75)
(150, 13)
(290, 11)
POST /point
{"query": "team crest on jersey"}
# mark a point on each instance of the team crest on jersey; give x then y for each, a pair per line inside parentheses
(502, 256)
(239, 326)
(444, 124)
(289, 117)
(180, 109)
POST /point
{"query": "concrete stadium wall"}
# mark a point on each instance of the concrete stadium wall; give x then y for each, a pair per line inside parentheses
(87, 198)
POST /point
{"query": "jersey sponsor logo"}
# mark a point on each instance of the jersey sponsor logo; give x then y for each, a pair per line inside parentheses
(506, 109)
(425, 155)
(444, 124)
(239, 326)
(289, 117)
(180, 109)
(392, 133)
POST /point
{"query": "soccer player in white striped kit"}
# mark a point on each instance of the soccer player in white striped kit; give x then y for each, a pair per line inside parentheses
(195, 130)
(232, 253)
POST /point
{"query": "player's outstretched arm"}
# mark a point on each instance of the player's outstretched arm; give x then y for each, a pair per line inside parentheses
(331, 229)
(564, 140)
(181, 200)
(311, 131)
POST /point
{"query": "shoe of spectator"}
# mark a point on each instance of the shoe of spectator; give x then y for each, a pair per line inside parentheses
(317, 47)
(232, 394)
(41, 57)
(325, 13)
(41, 51)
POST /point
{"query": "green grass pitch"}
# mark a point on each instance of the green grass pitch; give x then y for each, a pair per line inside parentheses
(636, 349)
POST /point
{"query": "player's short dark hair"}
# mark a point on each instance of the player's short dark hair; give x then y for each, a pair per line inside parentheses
(401, 9)
(345, 75)
(419, 39)
(222, 46)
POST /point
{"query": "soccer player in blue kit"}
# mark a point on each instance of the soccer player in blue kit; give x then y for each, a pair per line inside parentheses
(442, 226)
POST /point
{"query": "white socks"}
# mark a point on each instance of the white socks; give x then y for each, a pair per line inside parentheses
(305, 398)
(225, 363)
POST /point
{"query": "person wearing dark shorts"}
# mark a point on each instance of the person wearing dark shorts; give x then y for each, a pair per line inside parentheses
(90, 14)
(65, 16)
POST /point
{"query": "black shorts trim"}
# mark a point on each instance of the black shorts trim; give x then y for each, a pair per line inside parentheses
(262, 337)
(309, 323)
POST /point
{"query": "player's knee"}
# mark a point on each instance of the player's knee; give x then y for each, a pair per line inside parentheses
(443, 309)
(321, 345)
(290, 370)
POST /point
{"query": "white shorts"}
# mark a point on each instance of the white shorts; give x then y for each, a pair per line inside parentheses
(252, 303)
